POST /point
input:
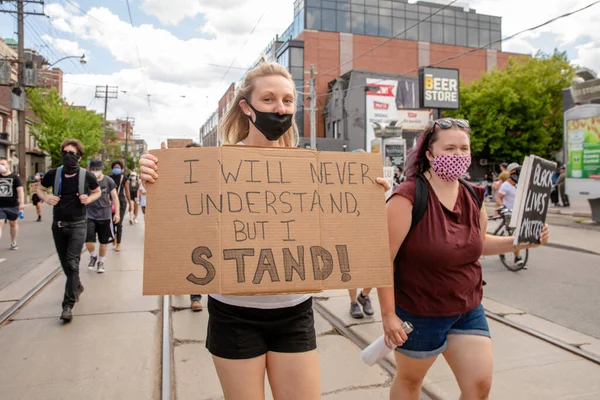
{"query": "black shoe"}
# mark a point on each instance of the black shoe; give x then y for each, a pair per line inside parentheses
(39, 218)
(92, 263)
(67, 314)
(355, 311)
(80, 290)
(365, 302)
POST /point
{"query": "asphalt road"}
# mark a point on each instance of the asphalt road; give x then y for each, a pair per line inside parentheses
(559, 285)
(35, 245)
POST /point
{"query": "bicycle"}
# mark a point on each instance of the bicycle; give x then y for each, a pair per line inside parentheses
(508, 259)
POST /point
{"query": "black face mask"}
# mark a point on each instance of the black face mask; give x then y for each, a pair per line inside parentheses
(272, 125)
(70, 163)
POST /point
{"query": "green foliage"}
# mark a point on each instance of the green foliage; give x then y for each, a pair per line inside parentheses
(56, 121)
(517, 111)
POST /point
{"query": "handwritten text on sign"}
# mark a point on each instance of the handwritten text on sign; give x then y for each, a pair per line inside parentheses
(243, 220)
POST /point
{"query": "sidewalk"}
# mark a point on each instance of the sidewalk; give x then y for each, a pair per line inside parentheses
(111, 349)
(525, 368)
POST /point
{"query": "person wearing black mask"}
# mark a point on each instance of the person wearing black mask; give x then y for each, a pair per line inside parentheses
(73, 189)
(118, 175)
(278, 330)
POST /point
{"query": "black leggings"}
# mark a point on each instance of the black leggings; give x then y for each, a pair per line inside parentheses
(119, 227)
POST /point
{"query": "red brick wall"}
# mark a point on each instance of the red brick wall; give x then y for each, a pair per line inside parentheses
(396, 57)
(227, 97)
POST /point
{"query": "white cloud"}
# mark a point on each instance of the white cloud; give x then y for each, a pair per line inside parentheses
(518, 15)
(67, 47)
(171, 12)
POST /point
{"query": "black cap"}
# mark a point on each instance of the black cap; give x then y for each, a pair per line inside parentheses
(96, 164)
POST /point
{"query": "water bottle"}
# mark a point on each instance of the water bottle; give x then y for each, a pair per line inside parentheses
(378, 349)
(21, 214)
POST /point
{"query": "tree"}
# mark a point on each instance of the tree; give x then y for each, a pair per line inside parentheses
(517, 111)
(56, 121)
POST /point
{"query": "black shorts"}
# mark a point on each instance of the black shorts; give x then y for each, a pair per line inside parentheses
(35, 199)
(11, 214)
(102, 228)
(239, 333)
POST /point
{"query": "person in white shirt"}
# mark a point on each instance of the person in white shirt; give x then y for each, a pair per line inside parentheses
(249, 336)
(506, 196)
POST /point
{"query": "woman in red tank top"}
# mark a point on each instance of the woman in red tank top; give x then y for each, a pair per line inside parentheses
(437, 275)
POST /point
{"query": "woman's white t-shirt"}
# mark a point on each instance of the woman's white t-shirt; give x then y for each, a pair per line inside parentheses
(265, 302)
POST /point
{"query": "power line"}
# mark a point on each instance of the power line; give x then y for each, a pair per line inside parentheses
(138, 56)
(389, 39)
(479, 48)
(243, 45)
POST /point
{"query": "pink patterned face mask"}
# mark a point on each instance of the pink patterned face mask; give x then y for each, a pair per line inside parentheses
(450, 168)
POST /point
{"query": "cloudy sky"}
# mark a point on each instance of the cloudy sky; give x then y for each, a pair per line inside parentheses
(170, 65)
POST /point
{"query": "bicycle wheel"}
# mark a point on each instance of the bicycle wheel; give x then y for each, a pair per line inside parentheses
(509, 259)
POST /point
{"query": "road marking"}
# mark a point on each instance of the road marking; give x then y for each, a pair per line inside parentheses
(2, 259)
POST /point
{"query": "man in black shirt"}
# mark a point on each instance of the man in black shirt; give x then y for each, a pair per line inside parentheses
(69, 198)
(11, 201)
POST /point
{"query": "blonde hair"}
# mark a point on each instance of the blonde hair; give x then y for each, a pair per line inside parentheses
(235, 125)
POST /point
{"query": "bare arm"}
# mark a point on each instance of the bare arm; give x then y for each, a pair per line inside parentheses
(47, 198)
(399, 218)
(499, 198)
(115, 199)
(127, 192)
(493, 245)
(21, 197)
(92, 197)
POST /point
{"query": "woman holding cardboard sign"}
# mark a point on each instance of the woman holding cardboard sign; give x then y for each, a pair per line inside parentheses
(440, 291)
(251, 335)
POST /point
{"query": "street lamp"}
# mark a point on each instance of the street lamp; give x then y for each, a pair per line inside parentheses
(82, 60)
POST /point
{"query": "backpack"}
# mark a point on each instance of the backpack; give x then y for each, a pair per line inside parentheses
(57, 188)
(422, 194)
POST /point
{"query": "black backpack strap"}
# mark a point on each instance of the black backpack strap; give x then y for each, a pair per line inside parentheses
(472, 191)
(420, 203)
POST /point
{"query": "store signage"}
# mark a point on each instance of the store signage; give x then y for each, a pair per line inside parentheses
(439, 88)
(413, 120)
(585, 91)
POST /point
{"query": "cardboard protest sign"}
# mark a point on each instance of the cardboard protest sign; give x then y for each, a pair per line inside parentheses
(178, 143)
(532, 199)
(245, 220)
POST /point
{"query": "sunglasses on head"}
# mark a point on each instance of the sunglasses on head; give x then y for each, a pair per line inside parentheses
(446, 123)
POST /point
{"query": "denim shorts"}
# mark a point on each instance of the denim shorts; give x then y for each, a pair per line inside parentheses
(429, 337)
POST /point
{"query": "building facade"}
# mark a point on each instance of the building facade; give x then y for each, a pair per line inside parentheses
(350, 41)
(208, 131)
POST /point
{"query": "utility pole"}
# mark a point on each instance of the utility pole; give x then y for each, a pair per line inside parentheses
(22, 136)
(313, 109)
(129, 121)
(106, 92)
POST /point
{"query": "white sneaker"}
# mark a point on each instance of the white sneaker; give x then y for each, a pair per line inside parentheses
(13, 246)
(135, 221)
(100, 267)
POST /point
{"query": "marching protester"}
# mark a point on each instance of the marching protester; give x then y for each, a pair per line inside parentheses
(560, 184)
(506, 197)
(134, 208)
(142, 198)
(12, 198)
(71, 185)
(35, 199)
(99, 216)
(118, 176)
(249, 336)
(437, 232)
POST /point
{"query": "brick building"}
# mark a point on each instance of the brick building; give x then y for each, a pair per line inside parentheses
(400, 37)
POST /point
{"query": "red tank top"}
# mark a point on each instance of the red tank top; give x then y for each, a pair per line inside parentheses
(437, 272)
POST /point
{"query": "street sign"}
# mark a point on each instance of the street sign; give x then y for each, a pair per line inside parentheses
(585, 91)
(439, 88)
